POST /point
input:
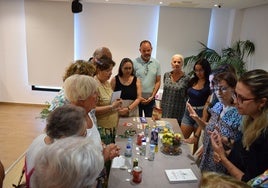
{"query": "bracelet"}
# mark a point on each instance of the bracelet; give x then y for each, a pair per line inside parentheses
(111, 108)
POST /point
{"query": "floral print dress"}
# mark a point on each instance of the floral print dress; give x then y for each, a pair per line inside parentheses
(228, 126)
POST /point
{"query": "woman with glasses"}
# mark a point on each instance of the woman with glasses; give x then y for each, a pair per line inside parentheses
(82, 91)
(130, 87)
(211, 101)
(106, 109)
(198, 93)
(224, 118)
(174, 90)
(249, 156)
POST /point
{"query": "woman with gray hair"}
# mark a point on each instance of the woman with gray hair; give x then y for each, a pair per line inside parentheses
(65, 121)
(81, 91)
(70, 162)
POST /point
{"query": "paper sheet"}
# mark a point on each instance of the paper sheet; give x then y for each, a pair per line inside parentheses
(115, 95)
(118, 162)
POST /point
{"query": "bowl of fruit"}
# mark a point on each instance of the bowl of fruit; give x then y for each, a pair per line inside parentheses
(171, 143)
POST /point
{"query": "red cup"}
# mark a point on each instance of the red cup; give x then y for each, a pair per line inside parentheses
(139, 139)
(137, 174)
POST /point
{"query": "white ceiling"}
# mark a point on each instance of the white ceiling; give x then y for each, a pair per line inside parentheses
(237, 4)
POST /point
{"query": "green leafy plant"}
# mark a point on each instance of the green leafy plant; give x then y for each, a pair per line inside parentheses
(235, 55)
(44, 113)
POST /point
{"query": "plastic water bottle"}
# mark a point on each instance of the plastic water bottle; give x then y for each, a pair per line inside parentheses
(154, 138)
(143, 147)
(151, 152)
(128, 151)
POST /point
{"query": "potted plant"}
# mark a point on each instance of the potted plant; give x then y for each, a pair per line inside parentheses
(235, 55)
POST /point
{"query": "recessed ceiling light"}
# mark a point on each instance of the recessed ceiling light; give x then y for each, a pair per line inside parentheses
(160, 2)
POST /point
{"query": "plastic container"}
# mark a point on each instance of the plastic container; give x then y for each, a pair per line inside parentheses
(151, 152)
(128, 151)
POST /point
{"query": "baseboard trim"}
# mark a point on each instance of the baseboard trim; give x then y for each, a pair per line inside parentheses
(23, 104)
(15, 163)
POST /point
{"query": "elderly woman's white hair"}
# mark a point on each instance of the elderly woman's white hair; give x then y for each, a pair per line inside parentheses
(79, 87)
(69, 162)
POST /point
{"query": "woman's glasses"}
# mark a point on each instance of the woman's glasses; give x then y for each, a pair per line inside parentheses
(240, 99)
(199, 71)
(222, 89)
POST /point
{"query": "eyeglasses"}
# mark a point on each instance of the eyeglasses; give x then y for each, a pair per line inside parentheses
(222, 89)
(127, 68)
(199, 71)
(240, 99)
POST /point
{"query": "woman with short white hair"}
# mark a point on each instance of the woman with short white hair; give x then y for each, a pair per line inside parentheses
(70, 162)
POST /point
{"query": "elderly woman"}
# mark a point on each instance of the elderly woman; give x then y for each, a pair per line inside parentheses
(65, 121)
(224, 118)
(70, 162)
(174, 90)
(78, 67)
(249, 156)
(106, 110)
(81, 90)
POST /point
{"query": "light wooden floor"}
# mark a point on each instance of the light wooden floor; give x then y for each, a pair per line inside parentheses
(19, 125)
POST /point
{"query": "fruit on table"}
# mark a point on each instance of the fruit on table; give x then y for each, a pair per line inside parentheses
(171, 139)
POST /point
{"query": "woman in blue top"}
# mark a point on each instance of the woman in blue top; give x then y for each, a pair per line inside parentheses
(249, 156)
(224, 118)
(198, 93)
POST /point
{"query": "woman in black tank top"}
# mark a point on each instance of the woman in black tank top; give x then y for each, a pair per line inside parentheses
(130, 87)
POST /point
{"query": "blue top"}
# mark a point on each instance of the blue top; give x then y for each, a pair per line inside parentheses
(147, 73)
(229, 125)
(198, 97)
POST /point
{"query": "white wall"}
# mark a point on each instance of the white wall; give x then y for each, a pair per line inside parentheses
(220, 25)
(255, 28)
(14, 85)
(179, 31)
(115, 30)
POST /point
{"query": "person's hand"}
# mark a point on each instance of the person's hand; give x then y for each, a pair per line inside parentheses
(116, 105)
(123, 111)
(216, 157)
(216, 142)
(111, 151)
(199, 152)
(191, 111)
(147, 101)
